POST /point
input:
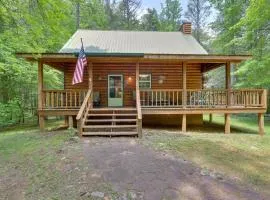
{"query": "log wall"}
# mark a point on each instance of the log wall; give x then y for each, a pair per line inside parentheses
(164, 76)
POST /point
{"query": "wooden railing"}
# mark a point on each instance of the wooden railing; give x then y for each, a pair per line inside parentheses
(82, 114)
(161, 98)
(63, 99)
(204, 98)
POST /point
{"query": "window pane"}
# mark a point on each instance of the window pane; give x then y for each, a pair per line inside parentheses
(145, 81)
(145, 77)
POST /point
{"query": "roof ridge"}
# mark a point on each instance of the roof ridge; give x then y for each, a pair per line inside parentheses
(131, 31)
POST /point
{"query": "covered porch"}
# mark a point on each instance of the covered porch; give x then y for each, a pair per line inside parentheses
(178, 97)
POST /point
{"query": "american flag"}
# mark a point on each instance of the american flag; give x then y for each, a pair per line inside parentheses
(81, 63)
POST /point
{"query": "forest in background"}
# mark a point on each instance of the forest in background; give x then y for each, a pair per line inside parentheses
(238, 27)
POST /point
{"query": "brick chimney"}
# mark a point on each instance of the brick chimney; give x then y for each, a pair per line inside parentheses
(186, 27)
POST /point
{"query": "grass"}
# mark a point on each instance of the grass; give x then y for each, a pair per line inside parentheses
(31, 155)
(243, 155)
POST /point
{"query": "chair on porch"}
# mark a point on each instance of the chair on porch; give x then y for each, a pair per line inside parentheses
(96, 99)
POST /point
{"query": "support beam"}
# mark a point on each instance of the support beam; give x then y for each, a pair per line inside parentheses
(228, 82)
(261, 123)
(40, 84)
(66, 121)
(70, 122)
(184, 79)
(227, 123)
(138, 103)
(41, 121)
(184, 123)
(90, 84)
(210, 118)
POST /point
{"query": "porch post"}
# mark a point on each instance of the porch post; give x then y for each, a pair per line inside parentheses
(227, 123)
(184, 83)
(184, 123)
(228, 82)
(211, 118)
(90, 83)
(138, 103)
(228, 88)
(40, 94)
(261, 123)
(184, 96)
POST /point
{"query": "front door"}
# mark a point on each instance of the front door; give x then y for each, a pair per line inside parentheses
(115, 90)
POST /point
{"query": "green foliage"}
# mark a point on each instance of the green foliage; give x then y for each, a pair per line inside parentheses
(170, 15)
(197, 13)
(150, 20)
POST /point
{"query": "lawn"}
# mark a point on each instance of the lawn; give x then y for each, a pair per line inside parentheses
(244, 156)
(40, 164)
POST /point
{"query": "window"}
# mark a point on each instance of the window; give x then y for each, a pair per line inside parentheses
(145, 81)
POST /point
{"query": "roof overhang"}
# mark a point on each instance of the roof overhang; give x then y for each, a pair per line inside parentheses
(209, 61)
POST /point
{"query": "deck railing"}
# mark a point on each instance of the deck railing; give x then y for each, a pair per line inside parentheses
(63, 99)
(161, 98)
(203, 98)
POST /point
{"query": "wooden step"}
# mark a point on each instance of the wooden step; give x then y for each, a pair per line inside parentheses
(116, 114)
(109, 126)
(109, 133)
(110, 120)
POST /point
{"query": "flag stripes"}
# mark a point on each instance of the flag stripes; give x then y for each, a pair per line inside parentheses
(81, 63)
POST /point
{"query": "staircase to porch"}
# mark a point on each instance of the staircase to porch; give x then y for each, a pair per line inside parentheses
(110, 122)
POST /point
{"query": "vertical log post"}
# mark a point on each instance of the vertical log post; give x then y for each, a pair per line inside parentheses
(227, 123)
(138, 103)
(70, 122)
(228, 83)
(210, 118)
(66, 121)
(184, 79)
(90, 84)
(184, 97)
(184, 123)
(261, 123)
(40, 94)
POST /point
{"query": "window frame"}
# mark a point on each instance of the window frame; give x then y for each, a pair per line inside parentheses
(149, 81)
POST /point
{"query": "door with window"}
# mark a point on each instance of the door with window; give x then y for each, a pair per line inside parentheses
(115, 90)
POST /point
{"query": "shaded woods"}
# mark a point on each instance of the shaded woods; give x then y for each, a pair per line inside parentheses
(241, 27)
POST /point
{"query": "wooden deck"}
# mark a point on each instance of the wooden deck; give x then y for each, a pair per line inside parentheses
(152, 102)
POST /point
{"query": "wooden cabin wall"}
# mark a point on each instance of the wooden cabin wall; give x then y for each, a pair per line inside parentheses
(172, 74)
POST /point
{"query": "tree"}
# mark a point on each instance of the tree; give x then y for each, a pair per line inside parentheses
(170, 15)
(228, 14)
(256, 38)
(93, 15)
(128, 13)
(150, 20)
(197, 13)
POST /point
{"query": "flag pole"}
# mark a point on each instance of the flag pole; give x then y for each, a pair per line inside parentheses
(82, 43)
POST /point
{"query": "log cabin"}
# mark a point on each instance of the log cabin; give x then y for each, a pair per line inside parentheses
(137, 78)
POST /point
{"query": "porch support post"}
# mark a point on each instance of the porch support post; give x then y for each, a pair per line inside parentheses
(66, 120)
(228, 82)
(138, 103)
(70, 122)
(90, 84)
(227, 123)
(40, 94)
(210, 118)
(184, 94)
(261, 123)
(184, 123)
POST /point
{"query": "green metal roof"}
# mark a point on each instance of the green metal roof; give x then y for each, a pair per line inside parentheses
(133, 43)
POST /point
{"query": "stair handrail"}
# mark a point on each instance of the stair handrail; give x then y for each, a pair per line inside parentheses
(81, 116)
(139, 112)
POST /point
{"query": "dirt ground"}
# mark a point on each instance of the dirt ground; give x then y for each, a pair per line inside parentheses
(116, 168)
